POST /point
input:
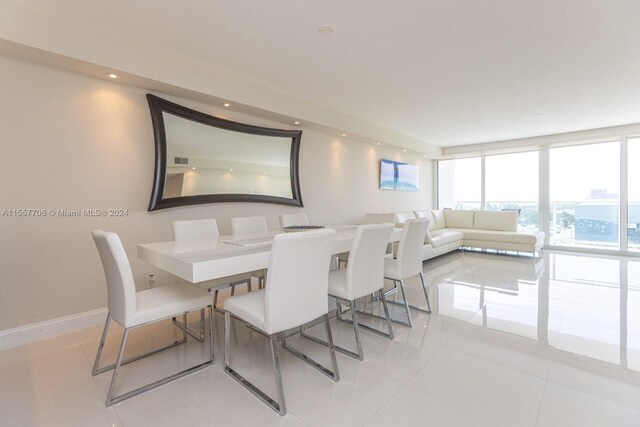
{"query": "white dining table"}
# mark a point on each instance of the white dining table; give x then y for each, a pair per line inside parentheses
(208, 259)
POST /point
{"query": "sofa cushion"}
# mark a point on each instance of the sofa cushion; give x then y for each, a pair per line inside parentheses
(444, 236)
(426, 214)
(503, 236)
(458, 219)
(402, 217)
(438, 219)
(492, 220)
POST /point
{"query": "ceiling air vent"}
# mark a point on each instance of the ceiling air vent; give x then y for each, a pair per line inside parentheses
(180, 160)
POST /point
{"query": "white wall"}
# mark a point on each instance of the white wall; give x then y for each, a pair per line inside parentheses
(69, 141)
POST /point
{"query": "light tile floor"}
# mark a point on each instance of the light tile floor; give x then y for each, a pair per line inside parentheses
(512, 342)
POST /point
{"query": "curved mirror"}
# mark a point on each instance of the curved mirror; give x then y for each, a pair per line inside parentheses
(205, 159)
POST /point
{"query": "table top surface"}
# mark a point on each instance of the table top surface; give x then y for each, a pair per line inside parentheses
(206, 259)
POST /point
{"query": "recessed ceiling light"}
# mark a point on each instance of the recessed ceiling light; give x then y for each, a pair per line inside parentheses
(194, 168)
(343, 134)
(296, 122)
(112, 75)
(226, 104)
(404, 151)
(326, 29)
(230, 170)
(377, 143)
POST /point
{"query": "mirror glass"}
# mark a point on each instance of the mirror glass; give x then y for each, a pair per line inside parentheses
(208, 160)
(204, 159)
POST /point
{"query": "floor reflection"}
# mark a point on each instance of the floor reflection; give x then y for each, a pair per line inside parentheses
(588, 305)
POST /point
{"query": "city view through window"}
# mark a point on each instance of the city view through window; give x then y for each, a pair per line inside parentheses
(583, 194)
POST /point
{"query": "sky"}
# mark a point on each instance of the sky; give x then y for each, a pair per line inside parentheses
(574, 172)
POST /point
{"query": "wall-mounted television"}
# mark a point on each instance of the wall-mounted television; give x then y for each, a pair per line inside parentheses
(398, 176)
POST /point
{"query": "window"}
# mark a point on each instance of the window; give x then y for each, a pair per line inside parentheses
(580, 204)
(511, 182)
(633, 210)
(459, 183)
(584, 185)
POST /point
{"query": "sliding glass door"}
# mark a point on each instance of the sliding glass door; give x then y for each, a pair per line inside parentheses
(584, 199)
(633, 210)
(583, 196)
(511, 182)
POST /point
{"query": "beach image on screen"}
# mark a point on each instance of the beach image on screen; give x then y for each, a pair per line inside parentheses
(387, 175)
(398, 176)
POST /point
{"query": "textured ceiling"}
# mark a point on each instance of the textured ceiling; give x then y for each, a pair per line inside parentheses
(449, 72)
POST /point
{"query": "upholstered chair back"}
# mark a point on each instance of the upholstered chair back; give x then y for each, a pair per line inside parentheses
(195, 229)
(248, 225)
(410, 247)
(298, 279)
(121, 288)
(287, 220)
(365, 269)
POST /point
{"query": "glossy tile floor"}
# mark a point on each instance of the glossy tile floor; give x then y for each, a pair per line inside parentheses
(512, 342)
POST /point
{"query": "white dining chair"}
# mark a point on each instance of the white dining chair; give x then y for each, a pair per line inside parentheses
(369, 218)
(200, 229)
(287, 220)
(131, 309)
(206, 229)
(408, 263)
(363, 277)
(295, 293)
(243, 226)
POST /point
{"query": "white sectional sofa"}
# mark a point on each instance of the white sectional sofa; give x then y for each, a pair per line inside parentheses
(453, 229)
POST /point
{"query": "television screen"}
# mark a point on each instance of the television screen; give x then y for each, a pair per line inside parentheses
(398, 176)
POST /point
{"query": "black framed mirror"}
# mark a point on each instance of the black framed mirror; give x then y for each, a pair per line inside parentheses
(206, 159)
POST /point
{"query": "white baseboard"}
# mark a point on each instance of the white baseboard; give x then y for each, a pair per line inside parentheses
(51, 328)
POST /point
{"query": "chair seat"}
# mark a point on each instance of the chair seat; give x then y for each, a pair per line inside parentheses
(338, 284)
(166, 301)
(391, 268)
(249, 307)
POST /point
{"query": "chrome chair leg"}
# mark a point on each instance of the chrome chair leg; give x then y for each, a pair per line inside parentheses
(121, 362)
(356, 330)
(357, 326)
(97, 370)
(213, 359)
(426, 294)
(338, 310)
(332, 348)
(334, 375)
(199, 336)
(109, 401)
(279, 406)
(406, 304)
(96, 363)
(386, 313)
(387, 317)
(282, 409)
(426, 297)
(227, 335)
